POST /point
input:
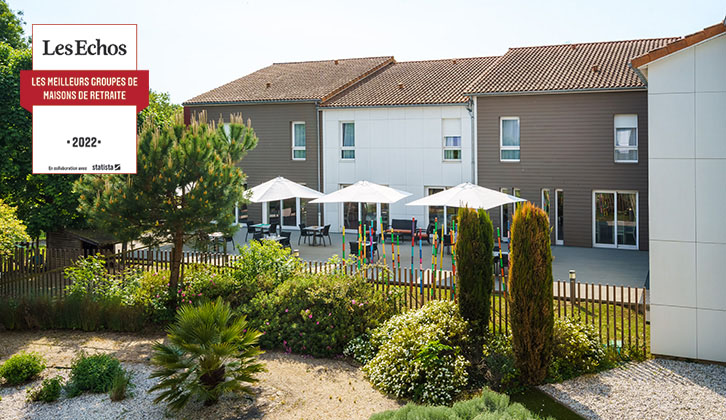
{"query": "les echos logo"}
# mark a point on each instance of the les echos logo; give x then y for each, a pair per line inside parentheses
(84, 92)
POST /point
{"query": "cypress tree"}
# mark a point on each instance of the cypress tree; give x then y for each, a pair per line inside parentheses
(474, 246)
(530, 292)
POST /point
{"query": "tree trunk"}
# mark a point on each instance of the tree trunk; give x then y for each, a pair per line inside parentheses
(176, 258)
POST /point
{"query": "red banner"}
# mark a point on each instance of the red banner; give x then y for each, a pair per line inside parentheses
(84, 87)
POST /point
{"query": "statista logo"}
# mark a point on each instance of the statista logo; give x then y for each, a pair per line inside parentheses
(106, 167)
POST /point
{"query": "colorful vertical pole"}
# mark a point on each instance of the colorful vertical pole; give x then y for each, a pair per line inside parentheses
(343, 240)
(398, 250)
(365, 245)
(393, 253)
(383, 239)
(433, 246)
(413, 240)
(360, 236)
(452, 232)
(420, 263)
(499, 239)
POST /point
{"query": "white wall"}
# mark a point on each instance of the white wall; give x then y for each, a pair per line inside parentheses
(401, 147)
(687, 183)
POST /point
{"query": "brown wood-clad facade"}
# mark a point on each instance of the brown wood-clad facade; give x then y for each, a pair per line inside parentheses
(566, 142)
(272, 157)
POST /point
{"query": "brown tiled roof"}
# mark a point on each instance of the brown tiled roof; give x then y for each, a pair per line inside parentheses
(305, 80)
(415, 83)
(571, 67)
(679, 44)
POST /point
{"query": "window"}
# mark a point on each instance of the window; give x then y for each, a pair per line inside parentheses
(240, 211)
(451, 128)
(509, 139)
(436, 213)
(615, 219)
(298, 141)
(348, 141)
(626, 138)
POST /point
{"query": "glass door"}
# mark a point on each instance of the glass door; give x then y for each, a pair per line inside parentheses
(289, 213)
(273, 212)
(560, 217)
(615, 219)
(605, 219)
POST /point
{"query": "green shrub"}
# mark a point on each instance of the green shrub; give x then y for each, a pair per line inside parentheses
(202, 282)
(209, 353)
(71, 313)
(500, 371)
(48, 391)
(489, 406)
(120, 386)
(92, 374)
(22, 367)
(530, 292)
(262, 266)
(474, 247)
(576, 350)
(418, 354)
(318, 314)
(91, 280)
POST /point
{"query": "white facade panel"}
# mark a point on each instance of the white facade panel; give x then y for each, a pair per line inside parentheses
(401, 147)
(676, 138)
(687, 198)
(671, 192)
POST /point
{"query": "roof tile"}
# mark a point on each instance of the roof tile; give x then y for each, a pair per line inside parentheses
(589, 66)
(415, 83)
(305, 80)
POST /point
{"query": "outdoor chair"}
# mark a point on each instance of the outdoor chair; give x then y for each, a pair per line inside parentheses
(273, 229)
(427, 234)
(258, 236)
(369, 252)
(303, 233)
(323, 234)
(285, 241)
(250, 229)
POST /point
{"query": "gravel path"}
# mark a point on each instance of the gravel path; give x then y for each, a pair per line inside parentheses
(655, 389)
(294, 387)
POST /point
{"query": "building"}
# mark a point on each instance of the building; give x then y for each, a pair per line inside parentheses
(566, 127)
(282, 103)
(687, 161)
(408, 126)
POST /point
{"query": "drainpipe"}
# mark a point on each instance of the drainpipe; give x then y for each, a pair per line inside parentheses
(471, 107)
(320, 159)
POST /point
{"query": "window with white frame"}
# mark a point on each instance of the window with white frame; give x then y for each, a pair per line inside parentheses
(626, 138)
(298, 140)
(347, 151)
(509, 139)
(451, 128)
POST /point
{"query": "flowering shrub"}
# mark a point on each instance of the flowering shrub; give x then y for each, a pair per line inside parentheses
(360, 349)
(577, 350)
(418, 354)
(91, 280)
(318, 314)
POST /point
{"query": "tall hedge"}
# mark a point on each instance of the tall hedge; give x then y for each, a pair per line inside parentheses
(474, 245)
(530, 292)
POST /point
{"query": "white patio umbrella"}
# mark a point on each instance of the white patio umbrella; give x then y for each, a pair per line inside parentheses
(363, 192)
(467, 195)
(280, 189)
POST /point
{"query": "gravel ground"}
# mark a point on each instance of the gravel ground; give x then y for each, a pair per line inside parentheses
(294, 387)
(655, 389)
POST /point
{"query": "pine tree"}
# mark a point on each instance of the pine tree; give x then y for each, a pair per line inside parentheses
(187, 177)
(474, 246)
(530, 292)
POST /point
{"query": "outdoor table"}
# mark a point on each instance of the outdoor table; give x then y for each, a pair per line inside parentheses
(314, 230)
(264, 227)
(276, 238)
(215, 237)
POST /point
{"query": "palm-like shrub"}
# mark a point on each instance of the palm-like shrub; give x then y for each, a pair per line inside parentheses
(530, 297)
(209, 353)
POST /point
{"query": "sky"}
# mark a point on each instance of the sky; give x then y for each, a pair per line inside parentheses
(190, 47)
